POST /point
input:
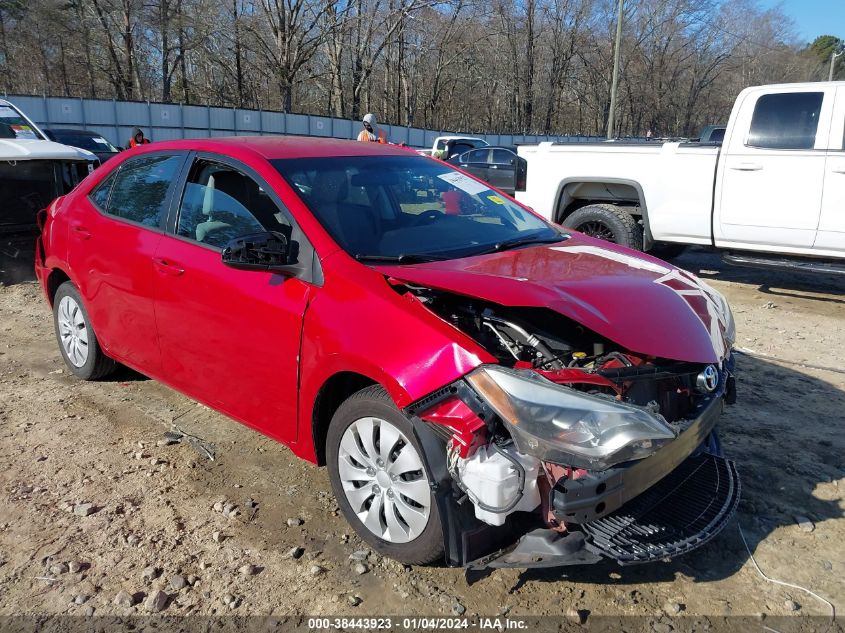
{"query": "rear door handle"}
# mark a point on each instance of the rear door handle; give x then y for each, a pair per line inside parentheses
(167, 268)
(81, 232)
(838, 170)
(747, 167)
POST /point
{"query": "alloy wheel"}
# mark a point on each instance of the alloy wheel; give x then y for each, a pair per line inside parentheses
(598, 230)
(73, 331)
(384, 480)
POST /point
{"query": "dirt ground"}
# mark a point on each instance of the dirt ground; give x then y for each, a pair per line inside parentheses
(153, 525)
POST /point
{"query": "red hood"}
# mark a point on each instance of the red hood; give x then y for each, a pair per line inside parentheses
(643, 304)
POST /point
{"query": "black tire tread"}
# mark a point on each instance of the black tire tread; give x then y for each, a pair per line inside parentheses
(631, 231)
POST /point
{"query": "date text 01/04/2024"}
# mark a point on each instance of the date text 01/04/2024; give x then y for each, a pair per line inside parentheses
(416, 623)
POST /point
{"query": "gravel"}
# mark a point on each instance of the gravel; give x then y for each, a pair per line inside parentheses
(124, 599)
(177, 582)
(150, 573)
(84, 509)
(156, 602)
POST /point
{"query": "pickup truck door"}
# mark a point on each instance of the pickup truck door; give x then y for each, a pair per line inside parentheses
(772, 170)
(831, 234)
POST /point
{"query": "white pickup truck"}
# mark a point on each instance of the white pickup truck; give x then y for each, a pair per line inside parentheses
(33, 170)
(772, 193)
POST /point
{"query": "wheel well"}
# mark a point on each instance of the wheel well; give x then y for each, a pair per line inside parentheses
(56, 278)
(331, 395)
(576, 195)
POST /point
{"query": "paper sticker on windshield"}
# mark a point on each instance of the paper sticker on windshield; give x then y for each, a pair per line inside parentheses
(464, 183)
(99, 140)
(495, 199)
(23, 131)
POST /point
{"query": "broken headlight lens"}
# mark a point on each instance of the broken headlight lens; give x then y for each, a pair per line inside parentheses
(564, 426)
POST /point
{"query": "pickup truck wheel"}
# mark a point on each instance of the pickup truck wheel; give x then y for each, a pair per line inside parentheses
(380, 480)
(607, 222)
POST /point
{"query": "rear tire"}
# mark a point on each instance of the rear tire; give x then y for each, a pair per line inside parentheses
(77, 340)
(374, 462)
(607, 222)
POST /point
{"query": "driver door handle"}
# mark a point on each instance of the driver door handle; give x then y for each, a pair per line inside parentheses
(747, 167)
(167, 268)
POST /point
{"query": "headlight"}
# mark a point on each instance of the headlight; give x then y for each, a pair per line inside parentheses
(564, 426)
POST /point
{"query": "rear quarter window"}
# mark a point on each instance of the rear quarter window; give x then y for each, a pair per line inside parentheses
(100, 195)
(786, 120)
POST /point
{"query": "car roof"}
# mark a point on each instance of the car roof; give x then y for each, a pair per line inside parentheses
(272, 147)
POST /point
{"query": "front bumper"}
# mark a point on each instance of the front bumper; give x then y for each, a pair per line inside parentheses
(597, 494)
(682, 512)
(653, 509)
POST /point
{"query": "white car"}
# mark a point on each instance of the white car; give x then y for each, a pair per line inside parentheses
(33, 170)
(772, 193)
(444, 147)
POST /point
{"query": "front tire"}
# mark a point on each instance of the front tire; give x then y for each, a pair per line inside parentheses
(607, 222)
(380, 480)
(76, 337)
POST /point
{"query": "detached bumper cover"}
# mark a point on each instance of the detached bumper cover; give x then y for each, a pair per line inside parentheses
(682, 512)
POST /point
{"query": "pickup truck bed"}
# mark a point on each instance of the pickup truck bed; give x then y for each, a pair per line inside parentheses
(775, 186)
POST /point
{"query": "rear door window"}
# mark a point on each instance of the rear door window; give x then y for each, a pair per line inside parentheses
(502, 157)
(139, 192)
(476, 156)
(786, 120)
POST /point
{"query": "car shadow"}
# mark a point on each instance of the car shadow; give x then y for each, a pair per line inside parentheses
(708, 264)
(780, 438)
(17, 257)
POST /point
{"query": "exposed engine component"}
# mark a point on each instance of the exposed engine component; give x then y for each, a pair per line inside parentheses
(567, 353)
(498, 481)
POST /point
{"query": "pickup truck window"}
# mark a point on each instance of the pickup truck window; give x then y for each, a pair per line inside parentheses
(786, 120)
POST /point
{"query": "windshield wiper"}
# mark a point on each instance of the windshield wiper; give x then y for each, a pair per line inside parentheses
(524, 241)
(400, 259)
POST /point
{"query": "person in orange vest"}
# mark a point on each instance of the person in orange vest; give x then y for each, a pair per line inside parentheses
(372, 133)
(137, 138)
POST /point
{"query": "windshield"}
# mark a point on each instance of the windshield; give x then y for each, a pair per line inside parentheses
(410, 206)
(91, 142)
(13, 125)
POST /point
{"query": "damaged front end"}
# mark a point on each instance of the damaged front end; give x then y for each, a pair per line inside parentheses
(572, 449)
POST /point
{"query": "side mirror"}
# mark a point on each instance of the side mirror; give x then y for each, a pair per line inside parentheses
(269, 251)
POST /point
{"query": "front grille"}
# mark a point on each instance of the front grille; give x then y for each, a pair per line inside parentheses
(683, 511)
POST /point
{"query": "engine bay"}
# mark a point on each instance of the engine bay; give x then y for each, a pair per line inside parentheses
(565, 352)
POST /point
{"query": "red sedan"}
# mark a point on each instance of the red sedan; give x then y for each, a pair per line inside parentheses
(481, 384)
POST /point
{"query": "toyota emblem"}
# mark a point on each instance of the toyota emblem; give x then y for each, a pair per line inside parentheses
(707, 380)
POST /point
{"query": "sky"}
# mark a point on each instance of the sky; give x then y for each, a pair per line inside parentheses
(814, 17)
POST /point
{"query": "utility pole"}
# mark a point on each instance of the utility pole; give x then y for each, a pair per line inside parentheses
(615, 80)
(833, 56)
